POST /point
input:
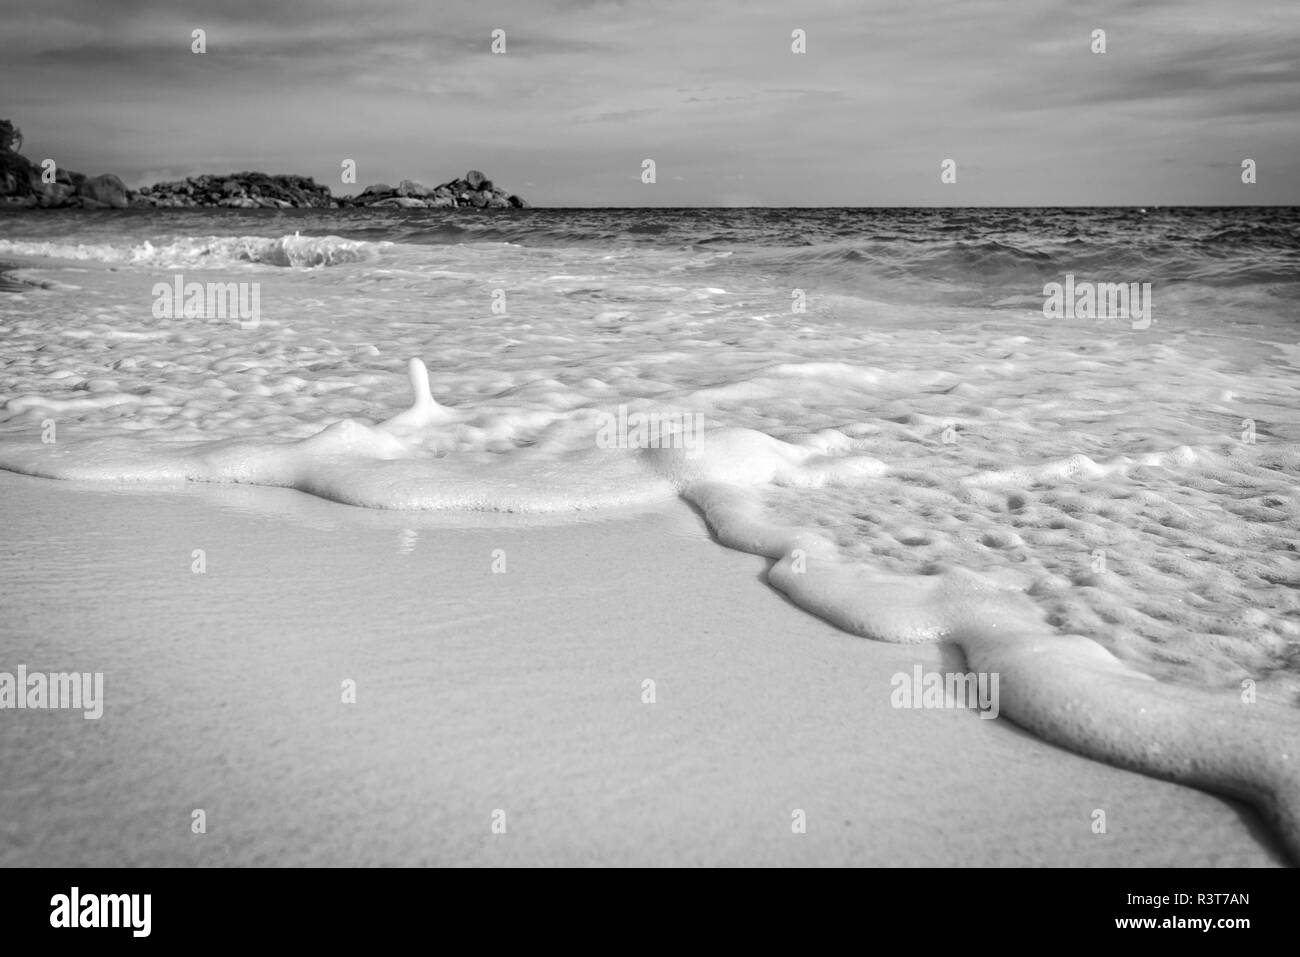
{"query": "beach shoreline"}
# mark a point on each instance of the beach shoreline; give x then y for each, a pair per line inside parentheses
(519, 690)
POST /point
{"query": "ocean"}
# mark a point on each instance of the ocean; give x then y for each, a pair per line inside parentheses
(1065, 440)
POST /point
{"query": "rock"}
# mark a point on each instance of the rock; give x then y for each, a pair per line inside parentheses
(440, 201)
(475, 179)
(400, 202)
(230, 187)
(480, 199)
(17, 176)
(517, 202)
(106, 189)
(377, 190)
(55, 194)
(498, 202)
(409, 187)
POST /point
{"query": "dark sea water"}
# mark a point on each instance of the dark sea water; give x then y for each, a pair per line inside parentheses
(971, 256)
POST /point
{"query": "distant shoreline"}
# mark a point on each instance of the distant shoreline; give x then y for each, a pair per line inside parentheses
(344, 203)
(25, 185)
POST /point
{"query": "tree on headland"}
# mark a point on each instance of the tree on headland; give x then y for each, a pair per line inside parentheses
(11, 137)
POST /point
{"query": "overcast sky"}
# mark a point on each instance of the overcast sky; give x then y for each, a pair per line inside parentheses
(708, 89)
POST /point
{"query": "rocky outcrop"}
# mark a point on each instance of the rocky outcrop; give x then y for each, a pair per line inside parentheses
(238, 191)
(474, 190)
(18, 179)
(103, 191)
(22, 185)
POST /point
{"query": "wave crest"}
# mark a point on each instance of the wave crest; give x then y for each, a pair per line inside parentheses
(294, 251)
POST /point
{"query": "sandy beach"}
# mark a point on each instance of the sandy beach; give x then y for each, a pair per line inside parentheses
(518, 690)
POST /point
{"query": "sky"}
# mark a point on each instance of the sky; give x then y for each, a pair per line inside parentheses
(710, 90)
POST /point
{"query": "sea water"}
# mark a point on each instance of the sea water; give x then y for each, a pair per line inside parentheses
(1099, 505)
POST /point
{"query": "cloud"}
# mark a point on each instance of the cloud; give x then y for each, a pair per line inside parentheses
(588, 88)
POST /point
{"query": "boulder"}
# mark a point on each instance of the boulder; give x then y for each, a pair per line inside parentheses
(17, 176)
(55, 194)
(106, 189)
(475, 179)
(498, 202)
(409, 187)
(400, 202)
(480, 199)
(379, 189)
(440, 201)
(517, 202)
